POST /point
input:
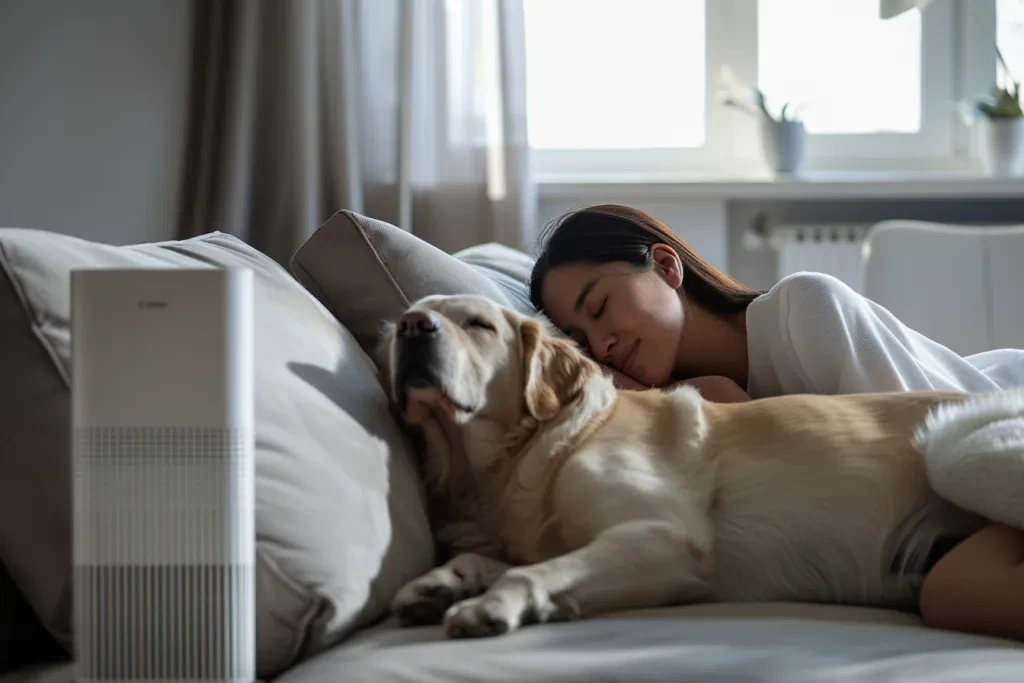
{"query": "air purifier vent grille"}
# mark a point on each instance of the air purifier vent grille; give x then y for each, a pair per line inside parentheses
(164, 623)
(164, 554)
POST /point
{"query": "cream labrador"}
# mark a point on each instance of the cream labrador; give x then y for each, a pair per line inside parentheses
(564, 498)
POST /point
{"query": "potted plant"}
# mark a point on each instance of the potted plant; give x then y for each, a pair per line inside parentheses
(782, 136)
(1002, 119)
(1002, 127)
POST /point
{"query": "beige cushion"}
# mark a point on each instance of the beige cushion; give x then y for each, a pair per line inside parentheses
(367, 271)
(340, 520)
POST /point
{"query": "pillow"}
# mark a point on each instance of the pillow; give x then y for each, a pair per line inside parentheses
(366, 271)
(341, 521)
(506, 267)
(23, 640)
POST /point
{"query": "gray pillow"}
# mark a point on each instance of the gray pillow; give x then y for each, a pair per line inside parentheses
(366, 271)
(341, 520)
(506, 267)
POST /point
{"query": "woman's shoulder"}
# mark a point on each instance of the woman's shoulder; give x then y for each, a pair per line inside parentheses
(806, 292)
(800, 335)
(807, 283)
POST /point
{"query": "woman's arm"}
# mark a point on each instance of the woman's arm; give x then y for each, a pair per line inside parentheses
(978, 587)
(713, 388)
(718, 389)
(814, 334)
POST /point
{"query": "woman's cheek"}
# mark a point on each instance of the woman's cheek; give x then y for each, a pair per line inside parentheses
(657, 369)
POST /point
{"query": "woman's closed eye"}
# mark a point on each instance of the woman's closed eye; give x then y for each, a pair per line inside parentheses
(600, 309)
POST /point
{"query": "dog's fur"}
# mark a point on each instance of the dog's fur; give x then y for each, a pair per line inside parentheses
(563, 497)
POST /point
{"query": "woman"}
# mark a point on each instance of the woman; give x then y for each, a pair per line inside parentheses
(643, 303)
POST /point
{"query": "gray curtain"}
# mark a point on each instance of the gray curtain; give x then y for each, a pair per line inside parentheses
(410, 111)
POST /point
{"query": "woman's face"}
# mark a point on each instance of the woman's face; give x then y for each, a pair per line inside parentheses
(629, 319)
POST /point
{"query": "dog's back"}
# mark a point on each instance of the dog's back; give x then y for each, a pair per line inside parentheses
(793, 498)
(824, 498)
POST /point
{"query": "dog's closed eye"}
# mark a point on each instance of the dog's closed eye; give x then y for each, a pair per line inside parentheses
(479, 323)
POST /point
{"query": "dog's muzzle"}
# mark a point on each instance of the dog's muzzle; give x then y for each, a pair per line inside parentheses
(418, 336)
(418, 325)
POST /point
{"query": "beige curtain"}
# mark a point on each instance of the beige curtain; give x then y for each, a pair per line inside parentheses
(410, 111)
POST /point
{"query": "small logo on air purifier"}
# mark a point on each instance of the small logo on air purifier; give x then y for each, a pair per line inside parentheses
(146, 304)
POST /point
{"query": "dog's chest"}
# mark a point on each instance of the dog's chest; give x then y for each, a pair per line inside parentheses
(524, 517)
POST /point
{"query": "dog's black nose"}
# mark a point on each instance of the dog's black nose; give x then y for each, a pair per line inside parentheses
(415, 323)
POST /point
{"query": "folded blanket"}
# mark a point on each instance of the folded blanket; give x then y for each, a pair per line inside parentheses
(974, 454)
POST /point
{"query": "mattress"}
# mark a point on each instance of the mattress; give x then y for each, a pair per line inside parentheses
(754, 643)
(748, 643)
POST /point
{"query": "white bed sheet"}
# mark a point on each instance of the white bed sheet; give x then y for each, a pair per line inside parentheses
(751, 643)
(754, 643)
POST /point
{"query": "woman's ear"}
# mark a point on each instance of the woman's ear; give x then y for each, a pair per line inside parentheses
(666, 260)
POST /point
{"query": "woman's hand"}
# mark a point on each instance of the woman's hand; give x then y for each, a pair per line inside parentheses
(718, 389)
(624, 381)
(714, 388)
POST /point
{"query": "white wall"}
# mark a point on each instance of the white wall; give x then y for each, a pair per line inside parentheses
(93, 101)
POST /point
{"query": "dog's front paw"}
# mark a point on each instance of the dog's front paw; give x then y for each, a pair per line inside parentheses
(425, 600)
(512, 602)
(487, 615)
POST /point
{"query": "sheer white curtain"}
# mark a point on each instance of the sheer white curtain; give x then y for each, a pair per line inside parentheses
(463, 156)
(410, 111)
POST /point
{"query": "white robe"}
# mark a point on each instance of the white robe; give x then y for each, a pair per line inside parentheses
(811, 333)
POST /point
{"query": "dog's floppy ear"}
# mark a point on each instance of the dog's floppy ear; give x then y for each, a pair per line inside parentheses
(554, 369)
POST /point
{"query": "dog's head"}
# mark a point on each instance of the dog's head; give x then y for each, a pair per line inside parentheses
(481, 380)
(463, 358)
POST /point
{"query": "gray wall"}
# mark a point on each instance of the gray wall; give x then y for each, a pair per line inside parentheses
(92, 116)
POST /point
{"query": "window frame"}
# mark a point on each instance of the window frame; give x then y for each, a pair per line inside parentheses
(955, 63)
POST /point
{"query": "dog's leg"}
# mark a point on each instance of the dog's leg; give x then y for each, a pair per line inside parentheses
(424, 600)
(632, 565)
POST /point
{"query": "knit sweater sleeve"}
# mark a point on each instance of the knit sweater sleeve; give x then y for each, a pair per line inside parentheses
(811, 333)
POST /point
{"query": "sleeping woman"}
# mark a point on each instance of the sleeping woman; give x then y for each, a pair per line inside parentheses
(642, 302)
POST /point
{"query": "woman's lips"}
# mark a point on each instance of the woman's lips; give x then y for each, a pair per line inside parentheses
(629, 363)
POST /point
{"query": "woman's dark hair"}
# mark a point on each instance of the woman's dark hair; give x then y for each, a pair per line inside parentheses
(613, 233)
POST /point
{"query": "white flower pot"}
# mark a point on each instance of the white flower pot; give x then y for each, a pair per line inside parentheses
(1002, 148)
(783, 145)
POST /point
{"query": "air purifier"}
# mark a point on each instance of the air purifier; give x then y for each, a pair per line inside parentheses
(163, 475)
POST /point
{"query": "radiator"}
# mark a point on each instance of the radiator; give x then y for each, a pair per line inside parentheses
(835, 249)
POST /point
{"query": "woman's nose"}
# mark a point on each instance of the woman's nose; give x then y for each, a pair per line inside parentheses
(602, 344)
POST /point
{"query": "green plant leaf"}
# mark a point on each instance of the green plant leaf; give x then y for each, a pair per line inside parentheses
(1003, 102)
(759, 100)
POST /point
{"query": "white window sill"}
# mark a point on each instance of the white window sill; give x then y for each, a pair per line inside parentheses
(816, 185)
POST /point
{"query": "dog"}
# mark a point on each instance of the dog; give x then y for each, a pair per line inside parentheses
(561, 497)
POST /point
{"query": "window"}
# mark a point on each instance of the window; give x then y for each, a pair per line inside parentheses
(1010, 36)
(621, 88)
(607, 74)
(812, 54)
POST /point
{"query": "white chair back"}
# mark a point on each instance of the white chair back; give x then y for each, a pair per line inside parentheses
(962, 286)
